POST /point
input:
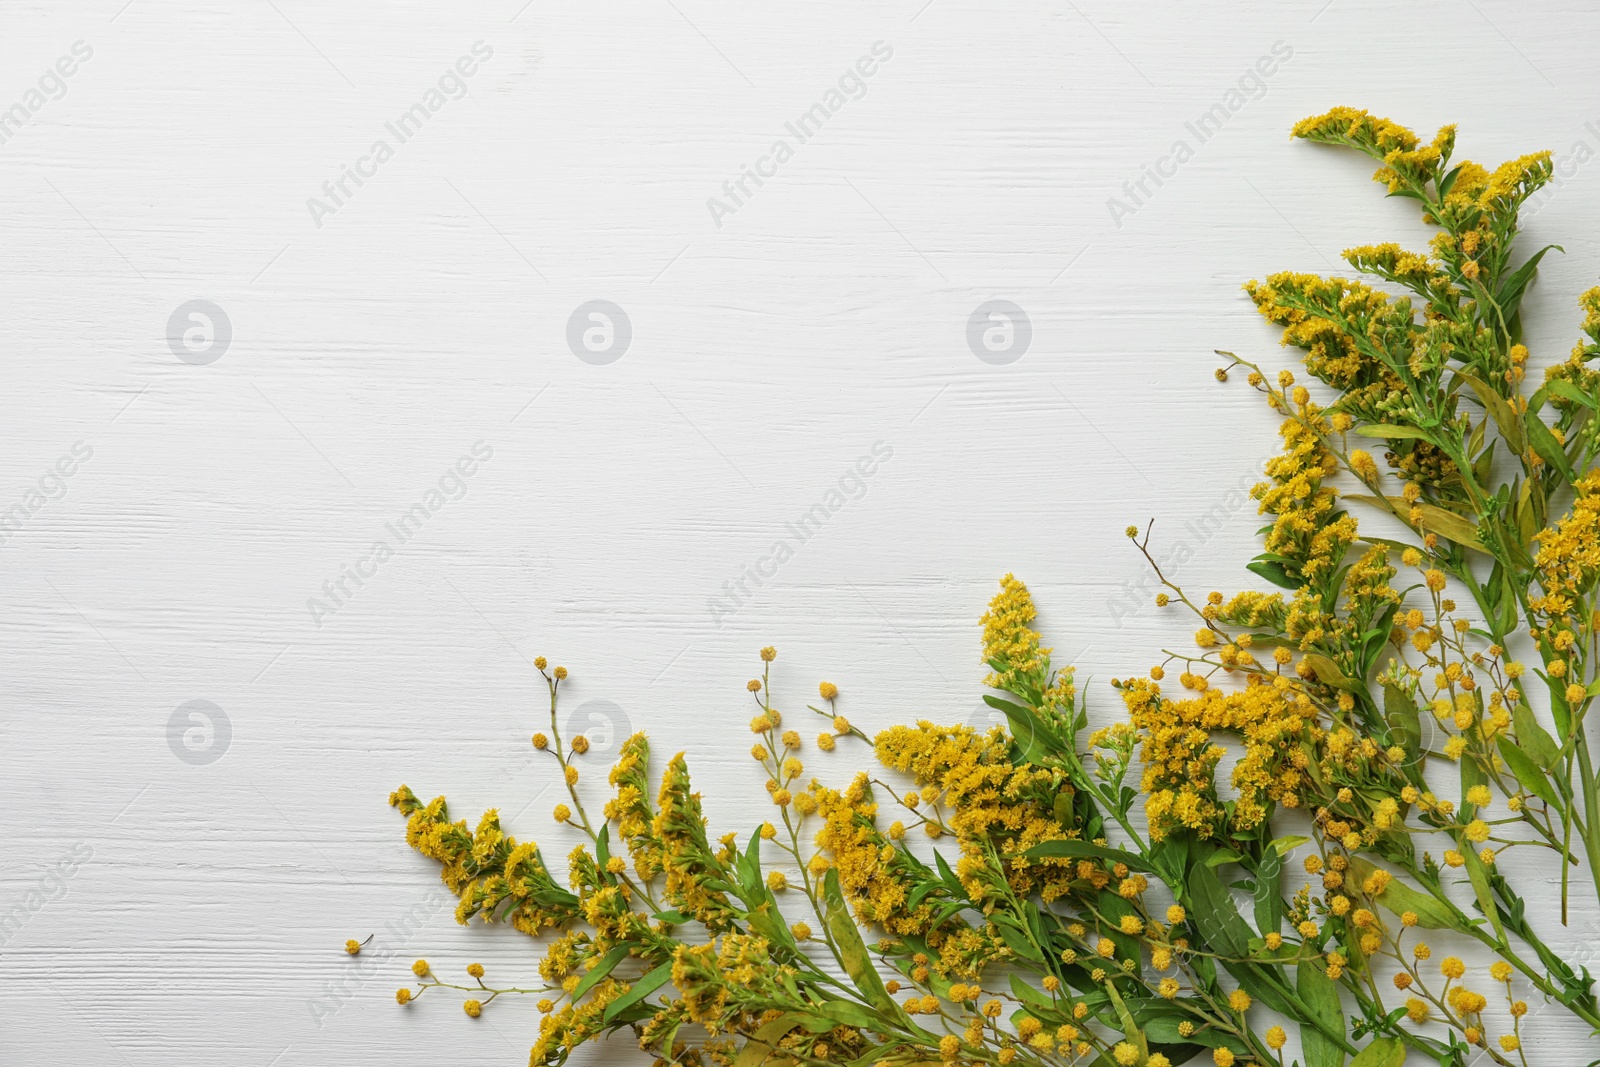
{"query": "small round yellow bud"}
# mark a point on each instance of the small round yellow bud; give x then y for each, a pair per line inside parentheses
(828, 690)
(475, 970)
(472, 1008)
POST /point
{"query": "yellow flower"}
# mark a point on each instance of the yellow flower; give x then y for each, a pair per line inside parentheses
(353, 947)
(475, 970)
(1451, 967)
(472, 1008)
(1239, 1000)
(828, 690)
(1176, 914)
(1276, 1038)
(1500, 971)
(420, 968)
(1222, 1057)
(403, 996)
(1008, 639)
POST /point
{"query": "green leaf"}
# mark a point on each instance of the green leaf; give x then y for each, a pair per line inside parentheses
(1527, 771)
(848, 1013)
(1391, 432)
(1320, 994)
(1545, 444)
(1509, 295)
(607, 964)
(1288, 843)
(758, 1048)
(1036, 998)
(1463, 531)
(1480, 885)
(1383, 1052)
(1560, 710)
(1401, 712)
(641, 989)
(1269, 900)
(1533, 739)
(1025, 727)
(1216, 914)
(1273, 572)
(1566, 389)
(1328, 672)
(1089, 850)
(852, 950)
(1506, 419)
(1061, 808)
(1398, 897)
(1130, 1029)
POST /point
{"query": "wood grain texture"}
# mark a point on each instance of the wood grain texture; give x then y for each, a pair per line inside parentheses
(192, 913)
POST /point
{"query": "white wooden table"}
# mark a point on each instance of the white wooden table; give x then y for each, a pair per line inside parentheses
(264, 346)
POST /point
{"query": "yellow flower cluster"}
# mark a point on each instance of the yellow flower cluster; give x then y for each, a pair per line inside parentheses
(1181, 755)
(1568, 559)
(1008, 637)
(877, 878)
(489, 872)
(995, 807)
(1307, 529)
(630, 808)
